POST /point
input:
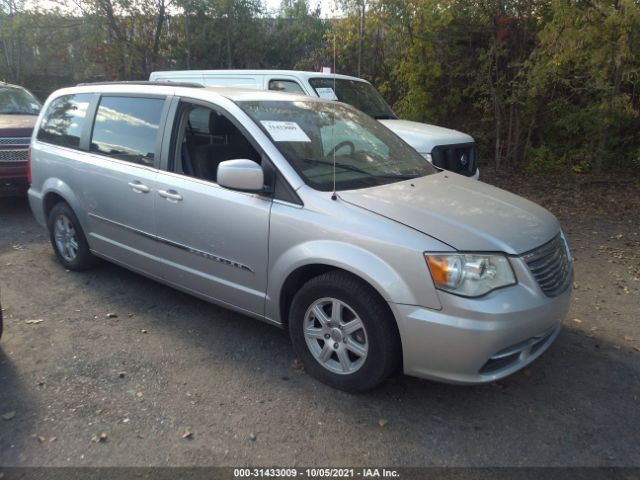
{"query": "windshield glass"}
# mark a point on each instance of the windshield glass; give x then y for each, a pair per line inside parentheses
(308, 133)
(16, 101)
(361, 95)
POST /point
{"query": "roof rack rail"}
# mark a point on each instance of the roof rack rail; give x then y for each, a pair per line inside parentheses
(164, 83)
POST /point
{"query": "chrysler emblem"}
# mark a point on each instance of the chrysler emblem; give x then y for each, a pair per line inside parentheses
(463, 159)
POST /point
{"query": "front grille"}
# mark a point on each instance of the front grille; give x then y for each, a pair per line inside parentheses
(551, 266)
(19, 141)
(13, 155)
(459, 158)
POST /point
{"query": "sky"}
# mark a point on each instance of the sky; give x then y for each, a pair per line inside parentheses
(328, 7)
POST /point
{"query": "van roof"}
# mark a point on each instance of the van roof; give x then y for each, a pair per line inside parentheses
(295, 73)
(178, 88)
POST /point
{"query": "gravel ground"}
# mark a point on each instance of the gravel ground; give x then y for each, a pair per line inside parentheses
(171, 380)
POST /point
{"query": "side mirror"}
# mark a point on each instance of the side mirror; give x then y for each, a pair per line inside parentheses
(245, 175)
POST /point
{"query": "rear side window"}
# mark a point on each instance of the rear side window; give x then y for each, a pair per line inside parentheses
(64, 119)
(285, 86)
(126, 128)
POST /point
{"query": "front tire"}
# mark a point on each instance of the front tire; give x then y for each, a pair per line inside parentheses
(68, 240)
(344, 332)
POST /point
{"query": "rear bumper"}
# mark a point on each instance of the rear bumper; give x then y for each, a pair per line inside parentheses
(472, 341)
(13, 179)
(37, 206)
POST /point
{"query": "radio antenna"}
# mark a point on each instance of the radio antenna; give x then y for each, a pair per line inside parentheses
(334, 196)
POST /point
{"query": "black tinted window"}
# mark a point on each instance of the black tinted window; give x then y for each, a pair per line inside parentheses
(361, 95)
(126, 128)
(63, 122)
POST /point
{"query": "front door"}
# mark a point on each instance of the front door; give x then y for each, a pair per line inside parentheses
(214, 240)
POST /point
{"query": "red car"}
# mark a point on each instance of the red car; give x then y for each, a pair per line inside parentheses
(18, 113)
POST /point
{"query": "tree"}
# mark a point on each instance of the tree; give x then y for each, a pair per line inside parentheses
(586, 67)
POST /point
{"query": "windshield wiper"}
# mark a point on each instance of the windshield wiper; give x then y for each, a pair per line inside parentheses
(385, 117)
(338, 165)
(399, 176)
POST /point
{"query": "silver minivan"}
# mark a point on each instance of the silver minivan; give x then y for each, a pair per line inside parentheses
(307, 214)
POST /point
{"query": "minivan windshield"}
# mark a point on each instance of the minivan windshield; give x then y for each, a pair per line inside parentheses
(310, 133)
(16, 101)
(361, 95)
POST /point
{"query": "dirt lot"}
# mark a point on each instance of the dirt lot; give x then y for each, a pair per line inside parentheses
(169, 364)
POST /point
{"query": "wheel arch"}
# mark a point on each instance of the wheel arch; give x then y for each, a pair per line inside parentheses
(55, 191)
(50, 200)
(310, 260)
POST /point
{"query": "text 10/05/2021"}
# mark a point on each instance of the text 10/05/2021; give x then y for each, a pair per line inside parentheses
(315, 473)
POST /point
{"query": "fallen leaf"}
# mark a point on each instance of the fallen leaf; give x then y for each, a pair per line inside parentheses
(252, 437)
(297, 364)
(102, 438)
(577, 320)
(9, 415)
(112, 315)
(383, 422)
(187, 433)
(34, 322)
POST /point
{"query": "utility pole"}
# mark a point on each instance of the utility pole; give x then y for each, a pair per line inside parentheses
(360, 40)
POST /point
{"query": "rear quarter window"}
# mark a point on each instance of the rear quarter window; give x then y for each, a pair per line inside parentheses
(63, 121)
(285, 86)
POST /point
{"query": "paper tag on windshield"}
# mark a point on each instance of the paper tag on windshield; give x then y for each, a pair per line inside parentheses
(285, 131)
(326, 93)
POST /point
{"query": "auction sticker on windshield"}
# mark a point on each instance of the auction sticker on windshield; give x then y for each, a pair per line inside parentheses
(327, 93)
(285, 131)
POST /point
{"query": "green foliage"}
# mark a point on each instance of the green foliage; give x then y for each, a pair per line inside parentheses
(543, 161)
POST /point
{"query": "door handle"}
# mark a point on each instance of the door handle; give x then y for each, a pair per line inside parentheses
(170, 195)
(139, 187)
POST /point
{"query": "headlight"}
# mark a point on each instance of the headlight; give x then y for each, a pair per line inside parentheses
(470, 275)
(427, 157)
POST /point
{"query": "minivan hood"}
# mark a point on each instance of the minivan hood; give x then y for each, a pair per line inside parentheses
(466, 214)
(423, 137)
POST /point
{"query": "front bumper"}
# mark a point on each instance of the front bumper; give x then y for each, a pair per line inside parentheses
(13, 179)
(472, 341)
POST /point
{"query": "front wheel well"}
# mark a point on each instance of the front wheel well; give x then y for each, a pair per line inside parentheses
(50, 200)
(302, 275)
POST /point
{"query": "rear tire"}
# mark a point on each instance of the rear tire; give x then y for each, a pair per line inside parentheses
(344, 332)
(68, 240)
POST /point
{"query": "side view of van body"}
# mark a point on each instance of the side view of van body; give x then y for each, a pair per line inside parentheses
(445, 148)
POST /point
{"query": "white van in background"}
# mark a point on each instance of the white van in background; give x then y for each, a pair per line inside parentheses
(445, 148)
